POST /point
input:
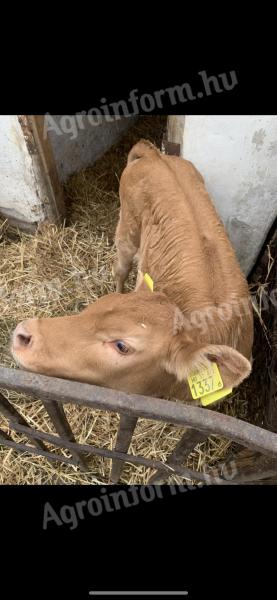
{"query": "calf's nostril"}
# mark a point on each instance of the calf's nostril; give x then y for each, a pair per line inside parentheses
(23, 339)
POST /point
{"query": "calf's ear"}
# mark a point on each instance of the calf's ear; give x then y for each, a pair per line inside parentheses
(185, 357)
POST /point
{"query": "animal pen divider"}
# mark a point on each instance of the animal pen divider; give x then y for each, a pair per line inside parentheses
(201, 423)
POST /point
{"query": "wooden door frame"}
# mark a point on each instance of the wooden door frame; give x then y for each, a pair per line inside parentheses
(56, 204)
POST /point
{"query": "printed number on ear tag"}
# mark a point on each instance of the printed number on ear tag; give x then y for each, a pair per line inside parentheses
(214, 396)
(149, 281)
(205, 381)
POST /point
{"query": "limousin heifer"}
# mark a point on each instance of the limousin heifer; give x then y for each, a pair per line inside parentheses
(198, 313)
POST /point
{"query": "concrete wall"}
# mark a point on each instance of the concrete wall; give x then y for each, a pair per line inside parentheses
(77, 143)
(21, 194)
(237, 155)
(28, 195)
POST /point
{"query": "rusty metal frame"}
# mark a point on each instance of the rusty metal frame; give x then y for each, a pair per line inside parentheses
(201, 423)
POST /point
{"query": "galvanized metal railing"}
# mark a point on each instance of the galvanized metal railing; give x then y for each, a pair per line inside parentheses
(200, 423)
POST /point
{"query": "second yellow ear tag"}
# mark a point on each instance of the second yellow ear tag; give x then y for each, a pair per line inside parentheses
(149, 281)
(207, 385)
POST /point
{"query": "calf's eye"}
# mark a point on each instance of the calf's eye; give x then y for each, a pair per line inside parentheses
(121, 347)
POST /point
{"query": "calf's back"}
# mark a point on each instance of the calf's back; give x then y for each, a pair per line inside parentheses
(170, 222)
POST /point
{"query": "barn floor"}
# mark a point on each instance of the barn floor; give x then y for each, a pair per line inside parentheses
(59, 271)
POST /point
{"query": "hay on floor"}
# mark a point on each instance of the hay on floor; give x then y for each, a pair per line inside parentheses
(59, 271)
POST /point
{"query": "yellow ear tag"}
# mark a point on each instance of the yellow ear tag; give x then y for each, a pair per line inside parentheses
(214, 396)
(207, 385)
(149, 281)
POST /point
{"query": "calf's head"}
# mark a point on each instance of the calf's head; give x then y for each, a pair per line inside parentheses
(132, 342)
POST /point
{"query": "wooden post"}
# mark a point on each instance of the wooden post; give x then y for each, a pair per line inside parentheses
(54, 203)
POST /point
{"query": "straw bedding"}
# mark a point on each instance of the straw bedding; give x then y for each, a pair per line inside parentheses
(59, 271)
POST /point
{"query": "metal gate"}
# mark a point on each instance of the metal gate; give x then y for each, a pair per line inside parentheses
(199, 424)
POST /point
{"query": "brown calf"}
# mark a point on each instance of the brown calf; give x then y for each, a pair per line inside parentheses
(149, 342)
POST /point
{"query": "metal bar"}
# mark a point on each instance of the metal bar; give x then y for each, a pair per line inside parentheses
(186, 444)
(24, 448)
(185, 473)
(124, 437)
(251, 467)
(154, 464)
(65, 391)
(13, 416)
(57, 415)
(255, 477)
